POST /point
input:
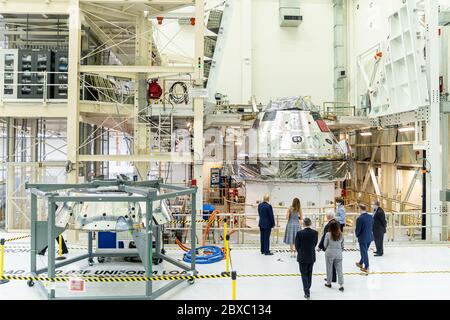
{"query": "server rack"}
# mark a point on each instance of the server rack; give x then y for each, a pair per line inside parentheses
(32, 61)
(60, 77)
(9, 63)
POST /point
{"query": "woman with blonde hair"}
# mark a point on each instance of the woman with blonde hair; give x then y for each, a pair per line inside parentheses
(294, 216)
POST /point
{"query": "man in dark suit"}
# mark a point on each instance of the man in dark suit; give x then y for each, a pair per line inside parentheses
(330, 218)
(364, 226)
(266, 223)
(379, 227)
(305, 244)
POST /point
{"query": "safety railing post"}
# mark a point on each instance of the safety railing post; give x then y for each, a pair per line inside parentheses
(2, 262)
(225, 242)
(60, 245)
(44, 89)
(233, 285)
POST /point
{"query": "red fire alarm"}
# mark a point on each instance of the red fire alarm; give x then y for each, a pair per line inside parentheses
(194, 182)
(192, 21)
(160, 20)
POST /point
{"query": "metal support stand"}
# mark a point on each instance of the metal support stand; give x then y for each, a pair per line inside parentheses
(134, 192)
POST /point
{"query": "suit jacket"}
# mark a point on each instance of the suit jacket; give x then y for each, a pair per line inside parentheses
(364, 226)
(379, 221)
(322, 239)
(266, 218)
(305, 244)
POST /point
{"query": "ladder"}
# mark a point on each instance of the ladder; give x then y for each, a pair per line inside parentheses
(165, 128)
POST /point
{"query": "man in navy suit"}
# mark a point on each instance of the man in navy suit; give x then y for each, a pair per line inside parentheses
(364, 226)
(266, 223)
(305, 244)
(379, 227)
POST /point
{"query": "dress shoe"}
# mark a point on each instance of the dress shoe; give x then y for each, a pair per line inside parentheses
(341, 289)
(269, 254)
(327, 285)
(377, 255)
(359, 265)
(364, 270)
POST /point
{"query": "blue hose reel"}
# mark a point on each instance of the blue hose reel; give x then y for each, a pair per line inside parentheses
(205, 255)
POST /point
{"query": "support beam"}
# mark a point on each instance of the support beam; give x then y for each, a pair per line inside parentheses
(33, 110)
(159, 157)
(124, 70)
(35, 7)
(147, 2)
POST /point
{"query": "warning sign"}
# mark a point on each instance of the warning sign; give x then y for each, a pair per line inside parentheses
(76, 285)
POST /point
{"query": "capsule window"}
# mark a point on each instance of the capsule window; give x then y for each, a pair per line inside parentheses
(269, 116)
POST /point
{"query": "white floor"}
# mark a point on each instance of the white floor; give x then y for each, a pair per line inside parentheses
(373, 287)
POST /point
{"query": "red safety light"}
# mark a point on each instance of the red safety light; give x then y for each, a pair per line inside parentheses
(160, 20)
(192, 21)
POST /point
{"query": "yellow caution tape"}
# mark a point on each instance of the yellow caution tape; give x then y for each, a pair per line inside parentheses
(206, 276)
(17, 238)
(197, 221)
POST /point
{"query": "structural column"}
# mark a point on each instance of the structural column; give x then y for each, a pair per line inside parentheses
(198, 103)
(73, 95)
(246, 49)
(340, 50)
(141, 142)
(434, 180)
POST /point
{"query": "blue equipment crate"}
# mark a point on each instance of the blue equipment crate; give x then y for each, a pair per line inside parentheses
(107, 240)
(208, 209)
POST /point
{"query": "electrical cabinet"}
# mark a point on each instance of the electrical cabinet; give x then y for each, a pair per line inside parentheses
(8, 64)
(215, 177)
(32, 66)
(60, 76)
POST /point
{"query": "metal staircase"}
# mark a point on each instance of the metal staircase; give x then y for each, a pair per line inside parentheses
(165, 128)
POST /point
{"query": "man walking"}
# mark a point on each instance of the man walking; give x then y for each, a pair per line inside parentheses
(379, 227)
(364, 226)
(305, 244)
(266, 223)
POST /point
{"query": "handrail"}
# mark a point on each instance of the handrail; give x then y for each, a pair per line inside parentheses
(402, 226)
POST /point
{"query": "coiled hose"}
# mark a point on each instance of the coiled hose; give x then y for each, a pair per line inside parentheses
(203, 254)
